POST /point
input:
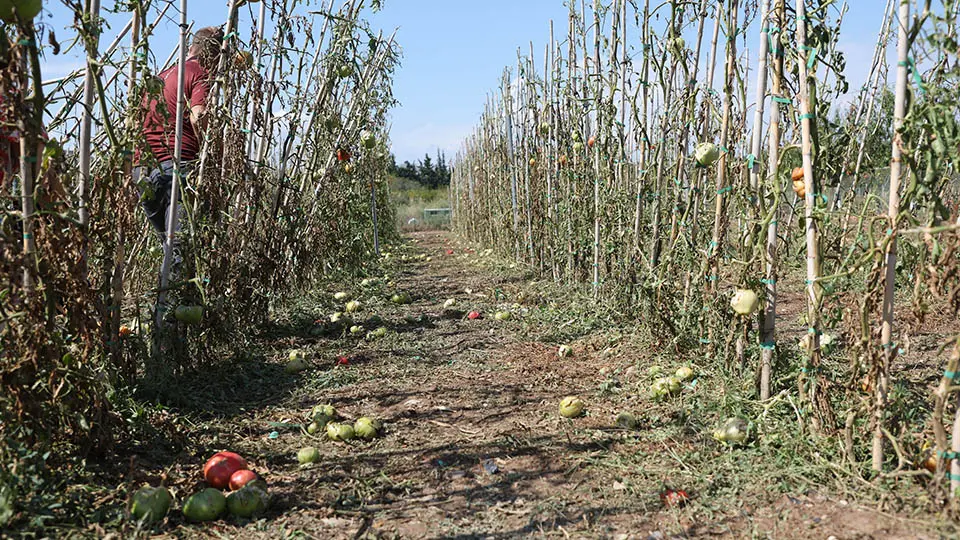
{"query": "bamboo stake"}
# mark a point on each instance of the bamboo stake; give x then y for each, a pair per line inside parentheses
(596, 151)
(768, 331)
(644, 128)
(92, 16)
(173, 222)
(511, 160)
(29, 126)
(814, 290)
(716, 245)
(890, 266)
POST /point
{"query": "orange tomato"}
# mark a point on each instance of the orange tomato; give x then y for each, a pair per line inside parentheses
(797, 174)
(800, 188)
(125, 331)
(591, 141)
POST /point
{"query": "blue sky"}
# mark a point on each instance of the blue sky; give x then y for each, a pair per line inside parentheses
(454, 55)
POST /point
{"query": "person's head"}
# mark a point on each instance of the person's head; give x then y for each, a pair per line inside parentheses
(206, 45)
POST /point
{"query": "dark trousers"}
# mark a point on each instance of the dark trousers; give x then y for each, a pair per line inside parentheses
(156, 190)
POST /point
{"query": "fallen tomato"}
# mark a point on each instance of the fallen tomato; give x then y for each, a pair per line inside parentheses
(674, 497)
(206, 505)
(150, 504)
(474, 315)
(219, 468)
(242, 478)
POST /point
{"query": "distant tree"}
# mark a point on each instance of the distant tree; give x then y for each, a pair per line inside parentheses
(426, 172)
(443, 173)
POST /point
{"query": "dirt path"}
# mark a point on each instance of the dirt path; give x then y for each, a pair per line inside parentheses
(474, 447)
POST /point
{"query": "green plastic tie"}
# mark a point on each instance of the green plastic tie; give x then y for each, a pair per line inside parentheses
(705, 341)
(750, 160)
(27, 236)
(951, 476)
(712, 278)
(947, 454)
(721, 191)
(910, 65)
(808, 116)
(950, 375)
(769, 345)
(230, 35)
(813, 331)
(768, 281)
(812, 58)
(780, 99)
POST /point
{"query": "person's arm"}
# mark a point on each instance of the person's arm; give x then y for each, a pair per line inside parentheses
(197, 119)
(198, 88)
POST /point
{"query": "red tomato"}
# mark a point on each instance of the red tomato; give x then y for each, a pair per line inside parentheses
(241, 477)
(343, 361)
(342, 155)
(218, 469)
(674, 497)
(473, 315)
(591, 141)
(449, 252)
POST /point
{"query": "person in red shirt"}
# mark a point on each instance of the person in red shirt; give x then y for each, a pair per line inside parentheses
(160, 122)
(159, 133)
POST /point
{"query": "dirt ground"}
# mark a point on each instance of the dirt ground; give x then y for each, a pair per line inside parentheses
(473, 446)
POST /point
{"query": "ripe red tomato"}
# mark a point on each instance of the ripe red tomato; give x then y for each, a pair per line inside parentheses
(449, 252)
(343, 361)
(473, 315)
(674, 497)
(218, 469)
(591, 141)
(342, 155)
(241, 477)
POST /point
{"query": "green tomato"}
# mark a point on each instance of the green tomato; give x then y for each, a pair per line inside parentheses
(571, 407)
(308, 455)
(206, 505)
(366, 428)
(150, 504)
